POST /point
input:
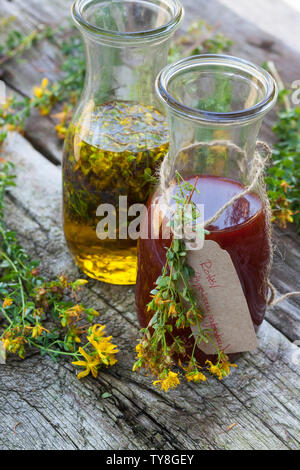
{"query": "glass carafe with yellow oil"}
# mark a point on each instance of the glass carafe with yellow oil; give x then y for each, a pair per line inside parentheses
(118, 136)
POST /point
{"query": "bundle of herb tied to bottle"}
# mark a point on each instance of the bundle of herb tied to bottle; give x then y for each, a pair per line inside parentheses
(211, 275)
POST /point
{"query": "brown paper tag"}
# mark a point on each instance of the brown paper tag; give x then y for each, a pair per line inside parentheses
(219, 293)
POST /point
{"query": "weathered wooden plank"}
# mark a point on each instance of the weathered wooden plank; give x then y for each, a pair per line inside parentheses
(275, 17)
(286, 278)
(260, 397)
(45, 58)
(250, 41)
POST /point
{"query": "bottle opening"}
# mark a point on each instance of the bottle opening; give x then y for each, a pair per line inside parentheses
(216, 88)
(125, 19)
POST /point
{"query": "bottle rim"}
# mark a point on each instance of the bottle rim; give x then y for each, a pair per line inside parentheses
(80, 6)
(170, 72)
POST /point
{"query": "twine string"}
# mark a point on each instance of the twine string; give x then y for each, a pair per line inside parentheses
(273, 301)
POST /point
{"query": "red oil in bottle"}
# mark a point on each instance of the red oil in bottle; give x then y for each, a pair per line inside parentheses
(241, 230)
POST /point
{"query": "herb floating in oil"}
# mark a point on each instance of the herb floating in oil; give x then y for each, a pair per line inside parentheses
(35, 313)
(118, 145)
(174, 307)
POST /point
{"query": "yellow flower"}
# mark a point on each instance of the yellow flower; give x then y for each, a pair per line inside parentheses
(172, 310)
(225, 366)
(44, 111)
(16, 345)
(214, 370)
(171, 381)
(7, 105)
(60, 116)
(38, 331)
(61, 131)
(91, 364)
(81, 282)
(74, 335)
(157, 299)
(45, 82)
(7, 302)
(105, 350)
(196, 377)
(141, 356)
(39, 91)
(285, 216)
(285, 185)
(73, 314)
(139, 349)
(63, 281)
(97, 331)
(6, 343)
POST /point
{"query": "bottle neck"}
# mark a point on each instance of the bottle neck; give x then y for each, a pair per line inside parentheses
(229, 151)
(124, 73)
(219, 100)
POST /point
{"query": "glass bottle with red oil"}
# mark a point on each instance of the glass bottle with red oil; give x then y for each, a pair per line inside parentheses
(215, 106)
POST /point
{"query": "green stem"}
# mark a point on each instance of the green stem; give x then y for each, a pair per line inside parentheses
(54, 351)
(19, 281)
(6, 316)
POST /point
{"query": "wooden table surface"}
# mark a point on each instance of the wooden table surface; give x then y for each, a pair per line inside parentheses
(56, 411)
